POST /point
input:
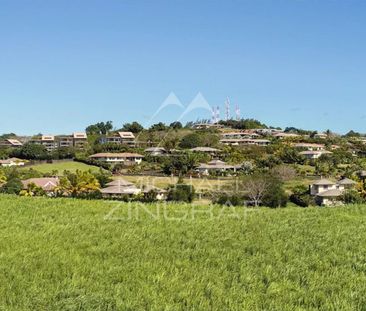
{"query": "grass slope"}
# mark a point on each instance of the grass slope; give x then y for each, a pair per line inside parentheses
(62, 166)
(63, 254)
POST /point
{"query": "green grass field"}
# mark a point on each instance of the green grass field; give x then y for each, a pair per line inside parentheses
(62, 166)
(65, 254)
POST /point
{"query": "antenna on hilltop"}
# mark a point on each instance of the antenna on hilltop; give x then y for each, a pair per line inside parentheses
(217, 114)
(237, 113)
(227, 109)
(214, 113)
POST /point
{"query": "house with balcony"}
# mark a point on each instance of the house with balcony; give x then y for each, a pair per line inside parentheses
(76, 140)
(49, 142)
(124, 158)
(10, 143)
(240, 135)
(245, 142)
(313, 155)
(123, 138)
(309, 146)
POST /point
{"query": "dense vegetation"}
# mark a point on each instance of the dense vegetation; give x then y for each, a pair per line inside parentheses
(62, 254)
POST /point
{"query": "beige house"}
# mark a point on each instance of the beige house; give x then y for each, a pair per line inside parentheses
(208, 150)
(10, 143)
(204, 126)
(309, 147)
(12, 162)
(77, 140)
(124, 138)
(51, 142)
(119, 187)
(240, 135)
(328, 192)
(321, 136)
(215, 166)
(48, 184)
(285, 135)
(313, 155)
(125, 158)
(122, 187)
(155, 151)
(245, 142)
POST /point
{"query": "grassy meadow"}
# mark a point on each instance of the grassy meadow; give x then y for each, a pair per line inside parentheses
(66, 254)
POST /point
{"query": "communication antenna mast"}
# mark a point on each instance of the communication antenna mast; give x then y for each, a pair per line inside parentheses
(217, 114)
(227, 109)
(237, 113)
(214, 113)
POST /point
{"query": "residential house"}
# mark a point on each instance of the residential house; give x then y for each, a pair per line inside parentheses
(204, 126)
(240, 135)
(48, 184)
(208, 150)
(161, 194)
(125, 158)
(49, 142)
(245, 142)
(10, 143)
(327, 192)
(309, 146)
(77, 140)
(12, 162)
(123, 138)
(321, 136)
(285, 135)
(156, 151)
(118, 188)
(313, 155)
(214, 167)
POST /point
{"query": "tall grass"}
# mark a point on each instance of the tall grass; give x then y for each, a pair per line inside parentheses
(64, 254)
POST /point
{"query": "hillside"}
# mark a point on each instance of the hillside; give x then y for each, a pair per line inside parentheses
(65, 254)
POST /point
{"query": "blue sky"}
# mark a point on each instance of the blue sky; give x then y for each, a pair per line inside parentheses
(67, 64)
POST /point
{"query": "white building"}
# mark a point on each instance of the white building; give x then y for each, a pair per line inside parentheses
(328, 192)
(12, 162)
(118, 158)
(313, 155)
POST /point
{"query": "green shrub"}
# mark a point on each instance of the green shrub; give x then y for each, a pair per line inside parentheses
(181, 193)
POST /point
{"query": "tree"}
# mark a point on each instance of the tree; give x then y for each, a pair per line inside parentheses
(181, 193)
(352, 134)
(81, 184)
(158, 127)
(103, 177)
(13, 186)
(275, 195)
(31, 151)
(243, 124)
(301, 196)
(290, 155)
(176, 125)
(100, 128)
(352, 197)
(32, 190)
(133, 127)
(256, 187)
(180, 165)
(284, 172)
(191, 141)
(2, 177)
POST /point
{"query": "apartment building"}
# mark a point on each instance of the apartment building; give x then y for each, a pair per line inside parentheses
(123, 138)
(51, 142)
